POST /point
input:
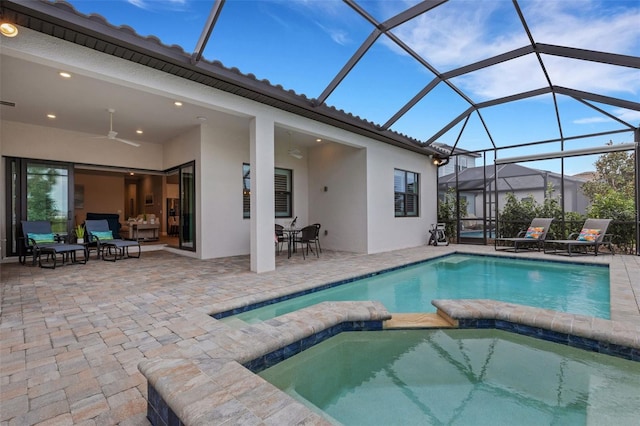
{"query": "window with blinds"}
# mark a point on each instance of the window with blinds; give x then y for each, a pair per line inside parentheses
(283, 193)
(406, 190)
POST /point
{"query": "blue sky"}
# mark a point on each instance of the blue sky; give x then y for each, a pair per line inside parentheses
(303, 44)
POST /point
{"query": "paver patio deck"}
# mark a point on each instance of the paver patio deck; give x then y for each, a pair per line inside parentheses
(71, 338)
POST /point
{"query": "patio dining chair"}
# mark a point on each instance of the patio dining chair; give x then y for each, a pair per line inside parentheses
(46, 246)
(318, 226)
(307, 236)
(281, 237)
(592, 236)
(533, 237)
(108, 247)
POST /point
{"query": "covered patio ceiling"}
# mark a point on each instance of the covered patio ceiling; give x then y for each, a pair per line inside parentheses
(445, 103)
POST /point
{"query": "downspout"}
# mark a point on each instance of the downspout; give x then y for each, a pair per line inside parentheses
(636, 138)
(496, 195)
(458, 225)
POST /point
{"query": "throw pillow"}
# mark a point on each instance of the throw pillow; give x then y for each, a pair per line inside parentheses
(103, 235)
(588, 234)
(534, 232)
(42, 238)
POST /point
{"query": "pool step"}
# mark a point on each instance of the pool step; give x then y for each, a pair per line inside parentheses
(417, 320)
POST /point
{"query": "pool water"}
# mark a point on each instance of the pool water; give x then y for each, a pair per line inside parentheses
(459, 377)
(566, 287)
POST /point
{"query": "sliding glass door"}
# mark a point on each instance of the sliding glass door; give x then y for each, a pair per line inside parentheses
(47, 195)
(188, 206)
(181, 211)
(38, 190)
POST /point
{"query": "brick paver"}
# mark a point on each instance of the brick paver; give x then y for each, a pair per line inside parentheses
(71, 338)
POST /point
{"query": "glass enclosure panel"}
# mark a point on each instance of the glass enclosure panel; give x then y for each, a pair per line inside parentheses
(48, 195)
(187, 207)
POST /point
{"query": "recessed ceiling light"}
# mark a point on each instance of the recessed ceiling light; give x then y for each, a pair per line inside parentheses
(201, 118)
(64, 74)
(139, 132)
(131, 173)
(178, 103)
(8, 30)
(52, 116)
(318, 140)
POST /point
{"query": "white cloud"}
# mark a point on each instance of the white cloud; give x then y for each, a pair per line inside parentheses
(142, 4)
(630, 116)
(516, 76)
(627, 115)
(591, 120)
(159, 4)
(456, 34)
(339, 36)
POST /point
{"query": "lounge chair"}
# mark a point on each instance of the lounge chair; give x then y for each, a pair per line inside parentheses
(41, 242)
(533, 237)
(593, 234)
(108, 247)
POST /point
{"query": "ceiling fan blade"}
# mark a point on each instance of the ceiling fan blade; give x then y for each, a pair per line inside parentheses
(127, 142)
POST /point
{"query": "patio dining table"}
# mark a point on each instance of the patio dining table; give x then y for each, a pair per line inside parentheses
(291, 232)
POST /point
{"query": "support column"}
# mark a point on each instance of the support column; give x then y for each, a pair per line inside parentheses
(262, 195)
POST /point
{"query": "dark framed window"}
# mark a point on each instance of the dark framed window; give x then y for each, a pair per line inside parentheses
(406, 189)
(283, 192)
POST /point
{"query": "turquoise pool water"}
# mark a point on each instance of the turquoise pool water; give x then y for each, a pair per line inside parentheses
(459, 377)
(565, 287)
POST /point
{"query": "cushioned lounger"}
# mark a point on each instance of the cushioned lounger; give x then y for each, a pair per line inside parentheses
(533, 237)
(593, 234)
(109, 248)
(42, 242)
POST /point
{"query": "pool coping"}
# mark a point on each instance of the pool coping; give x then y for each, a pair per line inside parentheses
(213, 386)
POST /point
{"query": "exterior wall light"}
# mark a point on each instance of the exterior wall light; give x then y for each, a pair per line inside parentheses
(439, 162)
(8, 29)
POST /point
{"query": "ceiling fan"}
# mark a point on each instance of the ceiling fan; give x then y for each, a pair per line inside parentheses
(293, 152)
(112, 135)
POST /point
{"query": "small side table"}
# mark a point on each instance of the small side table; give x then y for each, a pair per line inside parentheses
(145, 229)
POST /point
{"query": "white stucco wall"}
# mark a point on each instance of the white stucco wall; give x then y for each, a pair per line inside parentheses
(341, 209)
(47, 143)
(300, 180)
(356, 210)
(387, 232)
(224, 149)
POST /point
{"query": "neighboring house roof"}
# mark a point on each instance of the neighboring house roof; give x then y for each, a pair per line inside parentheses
(61, 20)
(511, 177)
(591, 175)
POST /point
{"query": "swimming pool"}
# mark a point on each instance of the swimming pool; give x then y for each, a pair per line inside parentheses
(566, 287)
(459, 377)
